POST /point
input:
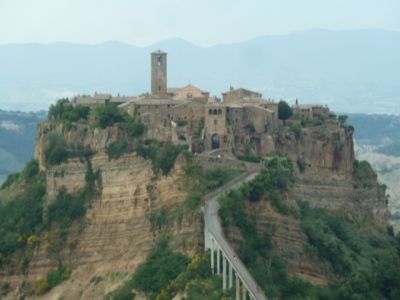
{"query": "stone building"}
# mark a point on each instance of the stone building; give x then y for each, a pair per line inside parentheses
(188, 92)
(311, 111)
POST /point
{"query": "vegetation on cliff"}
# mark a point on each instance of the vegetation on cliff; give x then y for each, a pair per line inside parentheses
(362, 265)
(365, 264)
(64, 111)
(166, 273)
(363, 174)
(254, 250)
(21, 216)
(24, 225)
(162, 155)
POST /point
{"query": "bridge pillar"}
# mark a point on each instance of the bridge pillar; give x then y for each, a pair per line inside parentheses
(212, 255)
(223, 272)
(230, 276)
(218, 261)
(237, 287)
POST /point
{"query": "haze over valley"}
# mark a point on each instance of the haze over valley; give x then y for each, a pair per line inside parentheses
(353, 71)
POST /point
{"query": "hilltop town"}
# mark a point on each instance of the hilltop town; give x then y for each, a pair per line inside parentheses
(241, 122)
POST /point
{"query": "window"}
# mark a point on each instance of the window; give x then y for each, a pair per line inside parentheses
(210, 111)
(215, 122)
(159, 61)
(220, 111)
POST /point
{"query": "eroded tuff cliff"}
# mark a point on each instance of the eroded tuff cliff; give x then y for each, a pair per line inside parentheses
(323, 158)
(116, 233)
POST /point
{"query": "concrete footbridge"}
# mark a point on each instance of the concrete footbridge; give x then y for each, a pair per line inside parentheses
(233, 271)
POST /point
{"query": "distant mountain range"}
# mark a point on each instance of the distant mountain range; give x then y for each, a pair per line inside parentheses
(352, 71)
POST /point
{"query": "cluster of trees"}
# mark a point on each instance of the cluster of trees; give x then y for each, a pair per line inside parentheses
(363, 174)
(21, 217)
(162, 155)
(102, 116)
(22, 225)
(166, 273)
(366, 263)
(161, 266)
(65, 111)
(255, 248)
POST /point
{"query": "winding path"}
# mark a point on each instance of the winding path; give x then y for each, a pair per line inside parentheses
(215, 241)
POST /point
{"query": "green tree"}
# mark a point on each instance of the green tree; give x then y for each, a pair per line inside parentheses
(56, 150)
(342, 119)
(65, 111)
(284, 111)
(106, 115)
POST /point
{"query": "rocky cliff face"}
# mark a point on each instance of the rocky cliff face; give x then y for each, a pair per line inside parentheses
(79, 135)
(117, 233)
(324, 156)
(388, 169)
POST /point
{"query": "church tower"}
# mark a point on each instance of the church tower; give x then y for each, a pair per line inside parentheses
(159, 73)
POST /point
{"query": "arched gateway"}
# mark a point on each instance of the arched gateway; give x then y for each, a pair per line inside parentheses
(215, 144)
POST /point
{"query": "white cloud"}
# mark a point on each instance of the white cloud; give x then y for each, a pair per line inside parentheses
(10, 125)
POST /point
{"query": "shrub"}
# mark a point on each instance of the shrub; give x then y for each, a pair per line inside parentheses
(162, 155)
(249, 157)
(117, 148)
(131, 128)
(157, 219)
(181, 123)
(161, 266)
(41, 286)
(193, 200)
(56, 149)
(122, 293)
(31, 170)
(10, 180)
(363, 174)
(107, 115)
(65, 208)
(21, 216)
(56, 277)
(219, 176)
(296, 129)
(342, 119)
(65, 111)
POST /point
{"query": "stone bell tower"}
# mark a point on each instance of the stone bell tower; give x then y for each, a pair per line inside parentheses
(159, 73)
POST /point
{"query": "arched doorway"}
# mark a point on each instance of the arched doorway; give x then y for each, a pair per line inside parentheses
(215, 141)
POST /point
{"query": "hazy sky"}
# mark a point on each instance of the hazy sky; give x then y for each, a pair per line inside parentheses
(203, 22)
